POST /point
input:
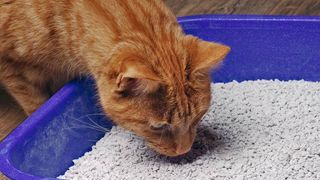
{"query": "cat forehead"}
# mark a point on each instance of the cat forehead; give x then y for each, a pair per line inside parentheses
(173, 68)
(168, 59)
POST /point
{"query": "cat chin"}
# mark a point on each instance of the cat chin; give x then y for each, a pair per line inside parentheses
(165, 153)
(169, 153)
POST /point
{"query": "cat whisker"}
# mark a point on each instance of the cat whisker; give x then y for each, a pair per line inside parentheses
(97, 125)
(92, 125)
(84, 125)
(161, 136)
(93, 114)
(77, 127)
(92, 140)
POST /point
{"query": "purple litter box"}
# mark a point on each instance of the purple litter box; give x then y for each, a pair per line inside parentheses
(64, 128)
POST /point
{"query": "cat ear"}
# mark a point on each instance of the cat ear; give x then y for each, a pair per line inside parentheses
(135, 78)
(206, 55)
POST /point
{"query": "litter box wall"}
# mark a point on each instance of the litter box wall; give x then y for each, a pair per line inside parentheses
(262, 47)
(65, 127)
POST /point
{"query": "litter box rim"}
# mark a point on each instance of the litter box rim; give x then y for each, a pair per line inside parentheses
(68, 91)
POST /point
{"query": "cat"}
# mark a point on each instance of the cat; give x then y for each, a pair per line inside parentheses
(151, 78)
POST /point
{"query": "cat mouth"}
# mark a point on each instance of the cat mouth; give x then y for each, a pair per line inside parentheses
(169, 152)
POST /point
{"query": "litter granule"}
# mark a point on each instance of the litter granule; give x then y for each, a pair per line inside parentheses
(253, 130)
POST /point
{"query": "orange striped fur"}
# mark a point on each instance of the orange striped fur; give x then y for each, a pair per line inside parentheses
(151, 77)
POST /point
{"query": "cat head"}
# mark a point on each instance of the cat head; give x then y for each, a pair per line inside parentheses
(160, 91)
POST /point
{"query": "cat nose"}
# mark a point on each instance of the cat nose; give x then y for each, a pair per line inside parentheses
(182, 149)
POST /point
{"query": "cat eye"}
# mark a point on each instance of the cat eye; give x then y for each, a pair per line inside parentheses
(159, 126)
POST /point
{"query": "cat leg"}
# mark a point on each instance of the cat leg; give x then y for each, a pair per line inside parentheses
(24, 84)
(25, 93)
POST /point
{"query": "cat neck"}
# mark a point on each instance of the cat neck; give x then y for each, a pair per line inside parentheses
(105, 32)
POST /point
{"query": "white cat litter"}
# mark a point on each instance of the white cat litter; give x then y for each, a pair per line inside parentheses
(253, 130)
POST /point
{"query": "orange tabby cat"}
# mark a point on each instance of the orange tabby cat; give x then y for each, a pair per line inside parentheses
(151, 77)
